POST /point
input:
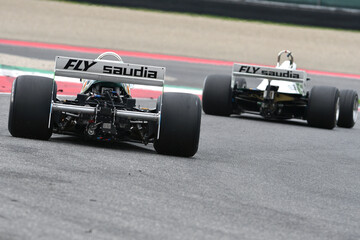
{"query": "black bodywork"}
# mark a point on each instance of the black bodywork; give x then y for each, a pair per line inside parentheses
(270, 103)
(104, 124)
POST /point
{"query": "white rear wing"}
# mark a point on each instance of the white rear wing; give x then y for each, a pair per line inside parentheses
(109, 71)
(269, 73)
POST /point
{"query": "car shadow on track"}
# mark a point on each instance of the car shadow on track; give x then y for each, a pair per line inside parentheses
(294, 122)
(123, 146)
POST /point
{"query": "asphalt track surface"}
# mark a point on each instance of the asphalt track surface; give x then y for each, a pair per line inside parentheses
(251, 179)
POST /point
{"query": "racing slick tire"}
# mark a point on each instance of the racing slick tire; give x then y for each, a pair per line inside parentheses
(323, 107)
(179, 125)
(217, 95)
(30, 107)
(349, 104)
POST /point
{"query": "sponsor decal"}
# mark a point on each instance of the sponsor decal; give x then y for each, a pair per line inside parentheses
(84, 65)
(287, 74)
(249, 69)
(134, 72)
(266, 72)
(79, 65)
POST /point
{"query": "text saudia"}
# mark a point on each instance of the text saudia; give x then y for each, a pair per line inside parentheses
(83, 65)
(257, 70)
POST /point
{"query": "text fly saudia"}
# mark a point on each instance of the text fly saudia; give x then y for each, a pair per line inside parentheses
(83, 65)
(134, 72)
(268, 72)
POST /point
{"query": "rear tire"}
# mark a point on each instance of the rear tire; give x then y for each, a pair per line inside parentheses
(349, 104)
(217, 95)
(30, 107)
(179, 125)
(323, 107)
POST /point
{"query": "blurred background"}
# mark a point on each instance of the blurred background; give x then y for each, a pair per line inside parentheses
(323, 35)
(343, 14)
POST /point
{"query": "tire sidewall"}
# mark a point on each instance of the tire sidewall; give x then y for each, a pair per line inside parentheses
(217, 95)
(323, 106)
(180, 121)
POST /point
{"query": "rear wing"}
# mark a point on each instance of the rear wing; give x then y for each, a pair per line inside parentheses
(109, 71)
(269, 73)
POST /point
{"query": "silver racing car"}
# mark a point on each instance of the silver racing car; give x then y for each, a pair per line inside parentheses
(281, 94)
(104, 109)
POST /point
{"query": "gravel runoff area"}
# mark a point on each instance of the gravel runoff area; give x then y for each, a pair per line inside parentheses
(178, 34)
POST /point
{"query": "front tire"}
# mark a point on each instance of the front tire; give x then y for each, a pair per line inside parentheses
(323, 107)
(179, 125)
(217, 95)
(30, 107)
(349, 104)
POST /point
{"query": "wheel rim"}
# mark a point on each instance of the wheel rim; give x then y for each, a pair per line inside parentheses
(355, 109)
(337, 109)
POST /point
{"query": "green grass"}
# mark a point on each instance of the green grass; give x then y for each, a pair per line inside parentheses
(209, 16)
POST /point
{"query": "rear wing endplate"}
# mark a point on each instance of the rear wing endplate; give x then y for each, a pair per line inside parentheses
(109, 71)
(269, 73)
